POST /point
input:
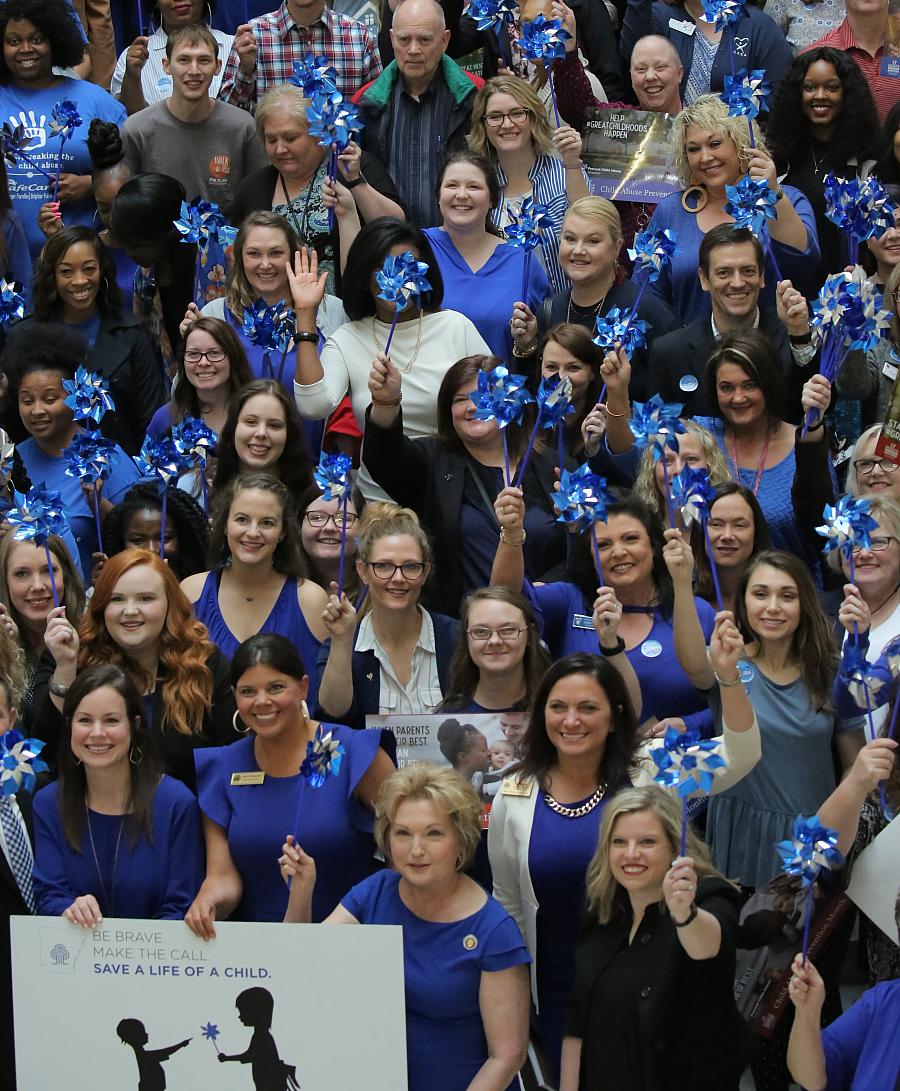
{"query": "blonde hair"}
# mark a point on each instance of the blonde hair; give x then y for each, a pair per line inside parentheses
(598, 208)
(238, 293)
(886, 511)
(601, 887)
(871, 433)
(283, 97)
(710, 112)
(384, 519)
(645, 482)
(446, 790)
(541, 133)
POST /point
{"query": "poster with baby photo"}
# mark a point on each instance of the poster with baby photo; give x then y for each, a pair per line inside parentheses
(483, 746)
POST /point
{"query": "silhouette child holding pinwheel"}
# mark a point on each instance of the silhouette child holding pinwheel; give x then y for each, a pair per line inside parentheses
(151, 1076)
(255, 1008)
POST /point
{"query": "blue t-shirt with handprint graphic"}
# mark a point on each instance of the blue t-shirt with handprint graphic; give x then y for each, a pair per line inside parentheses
(33, 108)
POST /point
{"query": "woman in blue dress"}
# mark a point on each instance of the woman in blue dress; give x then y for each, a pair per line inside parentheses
(464, 962)
(113, 836)
(258, 584)
(253, 795)
(38, 360)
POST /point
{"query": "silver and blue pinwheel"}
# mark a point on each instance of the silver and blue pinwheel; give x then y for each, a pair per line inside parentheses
(693, 496)
(581, 502)
(402, 280)
(656, 425)
(502, 397)
(544, 40)
(811, 849)
(333, 477)
(20, 763)
(88, 396)
(34, 517)
(688, 765)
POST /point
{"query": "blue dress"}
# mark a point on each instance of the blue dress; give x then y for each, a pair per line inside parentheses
(286, 619)
(559, 852)
(45, 469)
(665, 689)
(334, 827)
(33, 108)
(862, 1047)
(679, 285)
(486, 297)
(445, 1042)
(156, 881)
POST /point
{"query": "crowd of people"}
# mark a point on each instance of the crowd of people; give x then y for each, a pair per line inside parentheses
(177, 649)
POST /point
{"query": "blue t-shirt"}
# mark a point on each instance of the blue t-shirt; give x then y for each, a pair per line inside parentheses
(333, 827)
(157, 880)
(45, 469)
(862, 1047)
(442, 968)
(33, 108)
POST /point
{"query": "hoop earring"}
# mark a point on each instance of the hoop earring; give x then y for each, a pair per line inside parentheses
(78, 761)
(304, 712)
(459, 860)
(694, 191)
(105, 285)
(136, 755)
(234, 724)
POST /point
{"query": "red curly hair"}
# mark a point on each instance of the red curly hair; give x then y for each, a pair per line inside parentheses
(184, 649)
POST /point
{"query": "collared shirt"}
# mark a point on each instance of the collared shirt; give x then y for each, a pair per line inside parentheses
(422, 694)
(418, 128)
(802, 353)
(348, 45)
(155, 84)
(885, 89)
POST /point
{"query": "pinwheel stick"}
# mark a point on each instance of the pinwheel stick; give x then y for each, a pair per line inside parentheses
(507, 476)
(520, 475)
(343, 542)
(712, 566)
(872, 734)
(283, 358)
(31, 163)
(893, 723)
(62, 144)
(526, 268)
(204, 491)
(561, 446)
(669, 509)
(595, 549)
(833, 358)
(807, 918)
(97, 515)
(332, 176)
(684, 825)
(553, 94)
(140, 21)
(162, 535)
(53, 587)
(198, 272)
(212, 1042)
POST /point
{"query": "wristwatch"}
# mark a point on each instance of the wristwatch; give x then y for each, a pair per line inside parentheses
(617, 650)
(58, 689)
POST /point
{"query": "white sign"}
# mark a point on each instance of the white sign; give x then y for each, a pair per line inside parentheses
(108, 1008)
(875, 879)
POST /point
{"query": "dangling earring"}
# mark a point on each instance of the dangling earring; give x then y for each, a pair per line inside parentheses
(304, 712)
(136, 755)
(234, 724)
(691, 192)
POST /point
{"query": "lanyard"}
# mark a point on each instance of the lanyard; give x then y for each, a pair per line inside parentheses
(760, 466)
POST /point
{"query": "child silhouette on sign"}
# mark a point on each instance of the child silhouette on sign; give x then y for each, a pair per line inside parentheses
(151, 1076)
(255, 1007)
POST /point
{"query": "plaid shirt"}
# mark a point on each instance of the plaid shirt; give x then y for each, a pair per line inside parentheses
(347, 44)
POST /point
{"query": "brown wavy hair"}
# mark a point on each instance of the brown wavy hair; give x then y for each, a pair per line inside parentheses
(184, 647)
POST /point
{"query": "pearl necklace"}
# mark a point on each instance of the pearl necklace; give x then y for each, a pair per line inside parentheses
(415, 354)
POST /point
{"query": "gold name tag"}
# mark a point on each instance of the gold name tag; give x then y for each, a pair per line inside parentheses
(239, 780)
(512, 786)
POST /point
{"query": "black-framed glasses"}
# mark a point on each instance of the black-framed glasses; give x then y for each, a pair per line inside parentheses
(878, 543)
(865, 466)
(386, 570)
(481, 634)
(495, 118)
(194, 356)
(338, 518)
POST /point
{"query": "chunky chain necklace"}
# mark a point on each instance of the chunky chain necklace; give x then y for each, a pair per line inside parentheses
(575, 812)
(415, 354)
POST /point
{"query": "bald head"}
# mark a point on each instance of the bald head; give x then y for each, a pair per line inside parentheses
(420, 38)
(656, 74)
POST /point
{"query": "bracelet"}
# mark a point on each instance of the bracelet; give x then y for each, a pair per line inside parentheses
(815, 427)
(692, 916)
(509, 541)
(523, 353)
(58, 689)
(388, 403)
(617, 650)
(356, 182)
(800, 338)
(779, 194)
(624, 413)
(310, 338)
(728, 685)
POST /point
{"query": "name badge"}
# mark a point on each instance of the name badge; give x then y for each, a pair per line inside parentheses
(513, 786)
(245, 780)
(686, 27)
(890, 66)
(889, 371)
(582, 621)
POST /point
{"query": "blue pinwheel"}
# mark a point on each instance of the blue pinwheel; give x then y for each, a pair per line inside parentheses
(620, 329)
(657, 426)
(862, 209)
(88, 459)
(653, 251)
(202, 224)
(545, 40)
(687, 764)
(34, 517)
(324, 754)
(19, 763)
(848, 527)
(693, 496)
(64, 120)
(333, 478)
(270, 328)
(863, 683)
(502, 397)
(7, 457)
(211, 1033)
(195, 441)
(161, 461)
(811, 849)
(332, 120)
(87, 395)
(401, 280)
(315, 75)
(14, 141)
(494, 14)
(751, 204)
(745, 94)
(524, 232)
(12, 302)
(554, 403)
(581, 502)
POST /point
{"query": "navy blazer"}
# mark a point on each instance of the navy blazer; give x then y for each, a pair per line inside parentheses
(367, 677)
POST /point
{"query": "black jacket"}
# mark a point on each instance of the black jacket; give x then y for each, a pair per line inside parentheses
(11, 905)
(176, 751)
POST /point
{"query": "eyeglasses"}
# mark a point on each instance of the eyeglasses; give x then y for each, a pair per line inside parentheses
(194, 356)
(339, 519)
(878, 544)
(895, 295)
(865, 466)
(495, 119)
(386, 570)
(481, 634)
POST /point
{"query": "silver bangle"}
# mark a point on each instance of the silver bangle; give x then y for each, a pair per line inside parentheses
(728, 685)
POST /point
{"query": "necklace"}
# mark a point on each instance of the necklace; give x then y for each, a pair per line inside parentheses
(817, 163)
(108, 902)
(568, 811)
(584, 312)
(299, 227)
(415, 354)
(884, 602)
(760, 466)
